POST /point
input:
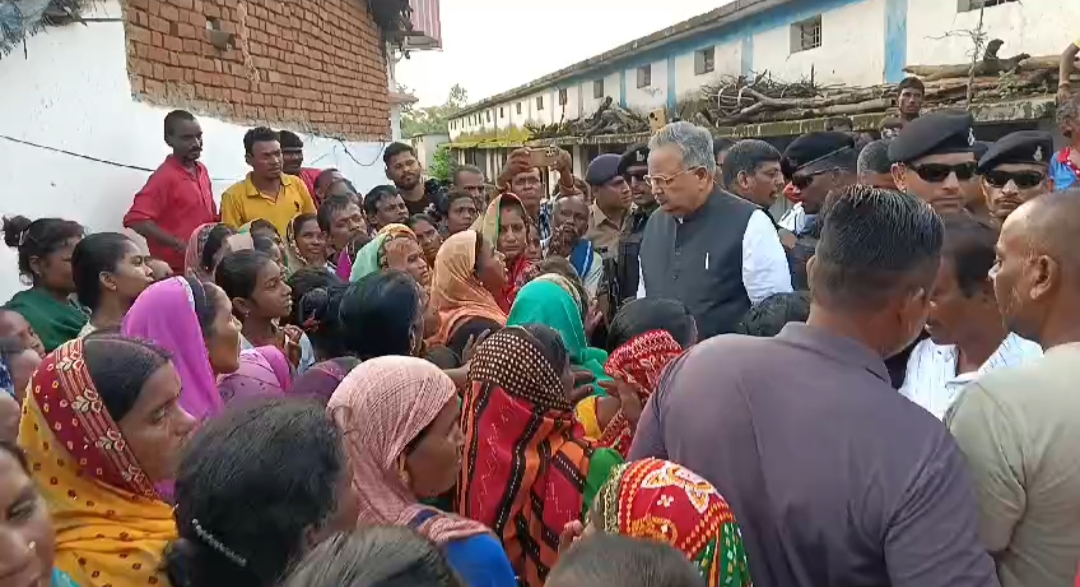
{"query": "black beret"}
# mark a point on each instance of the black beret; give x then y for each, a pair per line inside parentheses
(1026, 146)
(814, 147)
(980, 148)
(636, 155)
(603, 169)
(937, 133)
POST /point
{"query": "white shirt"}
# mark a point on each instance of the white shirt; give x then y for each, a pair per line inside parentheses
(933, 383)
(765, 269)
(795, 219)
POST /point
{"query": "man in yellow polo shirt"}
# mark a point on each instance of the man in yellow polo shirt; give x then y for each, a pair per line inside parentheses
(266, 192)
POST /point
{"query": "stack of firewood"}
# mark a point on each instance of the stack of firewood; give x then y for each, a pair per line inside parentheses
(735, 100)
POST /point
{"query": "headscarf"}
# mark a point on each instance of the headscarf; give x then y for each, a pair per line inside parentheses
(293, 259)
(526, 460)
(456, 293)
(521, 270)
(165, 314)
(111, 526)
(54, 321)
(381, 406)
(193, 255)
(545, 302)
(567, 286)
(370, 258)
(642, 361)
(320, 381)
(263, 372)
(658, 500)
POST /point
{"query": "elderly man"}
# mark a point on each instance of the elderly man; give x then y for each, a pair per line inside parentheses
(716, 253)
(933, 157)
(520, 177)
(1014, 170)
(1020, 428)
(836, 478)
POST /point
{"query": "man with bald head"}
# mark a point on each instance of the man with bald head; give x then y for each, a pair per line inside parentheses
(1020, 428)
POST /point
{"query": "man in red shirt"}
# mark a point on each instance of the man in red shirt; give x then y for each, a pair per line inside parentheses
(292, 153)
(178, 197)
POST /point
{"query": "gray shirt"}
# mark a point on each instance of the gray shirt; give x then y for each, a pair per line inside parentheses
(834, 477)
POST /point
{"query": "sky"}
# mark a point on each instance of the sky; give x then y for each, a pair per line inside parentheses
(490, 46)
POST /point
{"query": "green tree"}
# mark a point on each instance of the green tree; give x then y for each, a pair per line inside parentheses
(442, 164)
(432, 119)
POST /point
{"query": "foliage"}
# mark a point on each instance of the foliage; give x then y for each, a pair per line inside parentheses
(442, 164)
(22, 18)
(432, 119)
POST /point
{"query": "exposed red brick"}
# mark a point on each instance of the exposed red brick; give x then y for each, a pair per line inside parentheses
(312, 66)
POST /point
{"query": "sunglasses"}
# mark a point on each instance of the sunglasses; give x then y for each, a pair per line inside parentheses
(1024, 180)
(637, 176)
(939, 172)
(801, 182)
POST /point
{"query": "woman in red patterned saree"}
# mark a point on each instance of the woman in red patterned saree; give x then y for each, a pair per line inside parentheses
(101, 425)
(528, 469)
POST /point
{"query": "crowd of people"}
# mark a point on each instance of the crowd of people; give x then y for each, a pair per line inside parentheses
(641, 379)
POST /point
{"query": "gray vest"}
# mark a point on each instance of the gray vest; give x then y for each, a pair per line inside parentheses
(698, 261)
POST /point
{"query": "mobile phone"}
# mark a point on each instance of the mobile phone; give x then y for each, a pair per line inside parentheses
(543, 157)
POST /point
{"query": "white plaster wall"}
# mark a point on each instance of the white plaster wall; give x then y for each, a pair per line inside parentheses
(728, 60)
(852, 49)
(571, 109)
(652, 96)
(1037, 27)
(72, 93)
(611, 89)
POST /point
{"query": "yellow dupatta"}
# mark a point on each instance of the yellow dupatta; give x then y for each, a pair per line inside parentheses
(111, 527)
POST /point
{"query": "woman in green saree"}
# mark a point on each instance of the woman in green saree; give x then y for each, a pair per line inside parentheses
(45, 247)
(544, 301)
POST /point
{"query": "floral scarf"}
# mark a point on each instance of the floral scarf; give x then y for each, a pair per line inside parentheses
(111, 526)
(526, 462)
(659, 500)
(642, 361)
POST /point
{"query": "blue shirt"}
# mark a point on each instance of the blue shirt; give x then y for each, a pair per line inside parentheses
(481, 561)
(1063, 175)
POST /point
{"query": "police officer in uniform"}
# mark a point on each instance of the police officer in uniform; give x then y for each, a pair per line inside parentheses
(623, 271)
(1014, 170)
(816, 164)
(932, 158)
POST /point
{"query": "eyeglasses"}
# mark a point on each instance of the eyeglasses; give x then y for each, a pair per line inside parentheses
(1024, 180)
(663, 181)
(801, 182)
(638, 177)
(939, 172)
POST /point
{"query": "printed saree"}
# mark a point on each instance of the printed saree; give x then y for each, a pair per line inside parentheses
(111, 526)
(527, 469)
(659, 500)
(642, 361)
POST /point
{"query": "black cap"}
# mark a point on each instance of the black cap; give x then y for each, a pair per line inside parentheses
(938, 133)
(980, 148)
(1026, 146)
(603, 169)
(813, 148)
(635, 155)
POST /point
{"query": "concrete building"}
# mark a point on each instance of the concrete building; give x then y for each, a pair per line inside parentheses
(81, 114)
(851, 42)
(426, 145)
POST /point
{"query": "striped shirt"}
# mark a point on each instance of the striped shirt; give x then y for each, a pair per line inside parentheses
(932, 380)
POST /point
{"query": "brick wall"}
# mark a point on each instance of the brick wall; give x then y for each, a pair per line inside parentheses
(310, 65)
